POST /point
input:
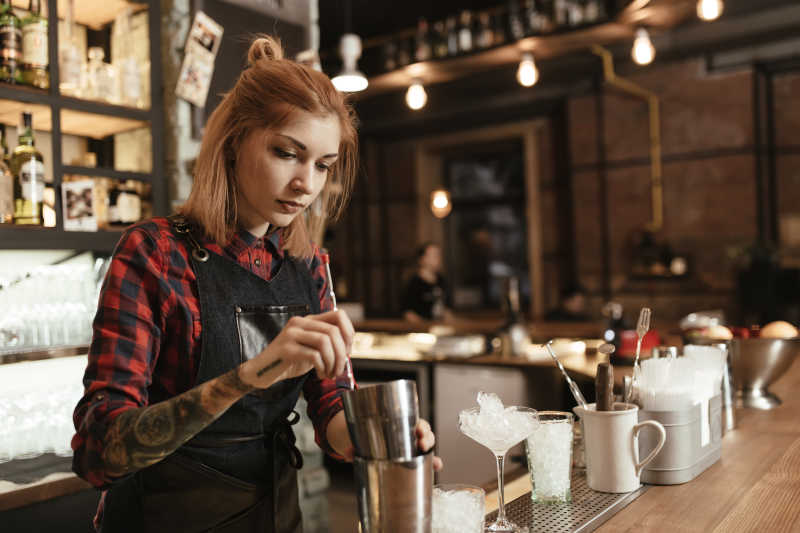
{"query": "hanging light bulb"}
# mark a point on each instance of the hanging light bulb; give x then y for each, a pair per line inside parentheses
(440, 203)
(710, 9)
(416, 97)
(527, 73)
(350, 80)
(643, 51)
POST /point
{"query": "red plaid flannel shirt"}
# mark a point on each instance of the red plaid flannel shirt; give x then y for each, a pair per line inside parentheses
(147, 332)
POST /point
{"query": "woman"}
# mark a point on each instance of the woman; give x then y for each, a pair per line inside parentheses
(426, 294)
(212, 322)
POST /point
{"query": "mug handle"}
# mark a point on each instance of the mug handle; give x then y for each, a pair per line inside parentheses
(662, 438)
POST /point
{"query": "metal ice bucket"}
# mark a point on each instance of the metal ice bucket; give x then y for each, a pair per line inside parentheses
(382, 420)
(394, 496)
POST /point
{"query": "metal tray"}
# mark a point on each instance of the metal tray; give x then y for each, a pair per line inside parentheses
(587, 511)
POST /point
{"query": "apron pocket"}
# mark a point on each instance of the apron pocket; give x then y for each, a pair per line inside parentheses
(257, 326)
(185, 496)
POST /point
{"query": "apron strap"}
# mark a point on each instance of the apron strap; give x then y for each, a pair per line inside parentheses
(283, 437)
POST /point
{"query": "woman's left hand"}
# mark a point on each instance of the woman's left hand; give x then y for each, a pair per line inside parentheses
(425, 441)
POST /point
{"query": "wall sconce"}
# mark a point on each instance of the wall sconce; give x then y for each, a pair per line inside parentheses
(527, 73)
(709, 9)
(643, 51)
(440, 203)
(350, 79)
(416, 97)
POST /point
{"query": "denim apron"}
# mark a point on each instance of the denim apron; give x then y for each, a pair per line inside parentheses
(239, 475)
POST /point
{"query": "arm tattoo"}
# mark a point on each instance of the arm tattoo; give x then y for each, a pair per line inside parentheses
(269, 367)
(140, 437)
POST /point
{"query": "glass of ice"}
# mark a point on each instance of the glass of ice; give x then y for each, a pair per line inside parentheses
(549, 451)
(498, 428)
(458, 509)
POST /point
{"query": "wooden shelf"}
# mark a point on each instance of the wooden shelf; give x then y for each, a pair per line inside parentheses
(38, 238)
(98, 172)
(73, 122)
(654, 14)
(92, 13)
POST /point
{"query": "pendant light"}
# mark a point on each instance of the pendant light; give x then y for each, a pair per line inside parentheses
(710, 9)
(416, 97)
(350, 79)
(527, 73)
(643, 51)
(440, 203)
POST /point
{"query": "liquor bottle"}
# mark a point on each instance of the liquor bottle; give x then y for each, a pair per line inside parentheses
(101, 83)
(130, 83)
(499, 28)
(452, 36)
(561, 13)
(439, 39)
(124, 203)
(594, 11)
(485, 36)
(403, 53)
(70, 63)
(27, 165)
(575, 13)
(34, 47)
(422, 41)
(6, 182)
(465, 32)
(389, 56)
(516, 29)
(10, 45)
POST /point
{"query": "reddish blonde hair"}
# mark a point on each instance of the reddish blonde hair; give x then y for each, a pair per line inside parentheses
(267, 95)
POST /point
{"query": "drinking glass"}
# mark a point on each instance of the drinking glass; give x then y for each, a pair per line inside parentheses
(549, 451)
(499, 441)
(458, 508)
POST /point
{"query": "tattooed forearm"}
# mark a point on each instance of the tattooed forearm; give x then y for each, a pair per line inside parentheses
(140, 437)
(269, 367)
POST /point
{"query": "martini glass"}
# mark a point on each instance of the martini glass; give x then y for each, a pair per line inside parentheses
(499, 440)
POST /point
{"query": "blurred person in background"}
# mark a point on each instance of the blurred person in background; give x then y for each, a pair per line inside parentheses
(426, 295)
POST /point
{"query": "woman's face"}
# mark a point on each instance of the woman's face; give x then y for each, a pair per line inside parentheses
(281, 172)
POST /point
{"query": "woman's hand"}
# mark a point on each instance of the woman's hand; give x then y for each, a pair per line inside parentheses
(321, 342)
(426, 440)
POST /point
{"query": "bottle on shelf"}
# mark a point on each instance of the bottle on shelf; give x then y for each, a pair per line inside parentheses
(124, 203)
(27, 166)
(101, 78)
(422, 41)
(594, 11)
(452, 36)
(484, 34)
(561, 13)
(516, 28)
(439, 39)
(575, 13)
(537, 17)
(465, 43)
(70, 62)
(499, 28)
(35, 61)
(128, 69)
(403, 52)
(389, 56)
(10, 44)
(6, 182)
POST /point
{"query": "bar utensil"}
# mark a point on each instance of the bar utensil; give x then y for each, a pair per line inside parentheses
(642, 327)
(348, 368)
(606, 349)
(573, 387)
(604, 387)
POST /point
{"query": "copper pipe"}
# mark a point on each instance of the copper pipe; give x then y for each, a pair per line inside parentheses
(656, 186)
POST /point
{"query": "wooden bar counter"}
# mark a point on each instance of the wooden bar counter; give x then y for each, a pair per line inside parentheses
(754, 487)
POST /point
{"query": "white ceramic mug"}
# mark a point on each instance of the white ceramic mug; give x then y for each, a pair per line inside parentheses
(612, 448)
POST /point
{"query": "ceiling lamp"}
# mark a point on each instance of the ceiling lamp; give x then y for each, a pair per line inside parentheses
(527, 73)
(710, 9)
(350, 80)
(643, 51)
(440, 203)
(416, 97)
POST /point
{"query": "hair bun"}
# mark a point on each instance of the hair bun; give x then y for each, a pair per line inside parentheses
(264, 47)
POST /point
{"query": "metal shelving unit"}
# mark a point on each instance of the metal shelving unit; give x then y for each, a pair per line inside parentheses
(66, 115)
